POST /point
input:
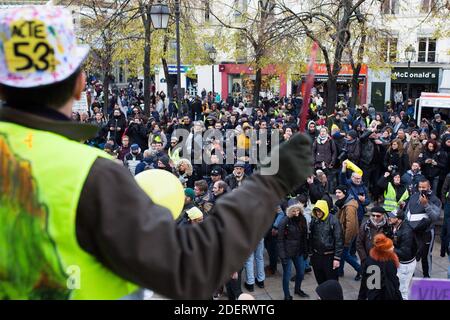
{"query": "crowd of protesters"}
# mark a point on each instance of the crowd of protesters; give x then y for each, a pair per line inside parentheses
(362, 159)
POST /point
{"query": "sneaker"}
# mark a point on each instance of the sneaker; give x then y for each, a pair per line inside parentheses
(308, 270)
(301, 293)
(249, 287)
(260, 284)
(358, 277)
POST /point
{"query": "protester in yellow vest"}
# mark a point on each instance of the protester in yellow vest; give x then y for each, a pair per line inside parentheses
(73, 223)
(395, 192)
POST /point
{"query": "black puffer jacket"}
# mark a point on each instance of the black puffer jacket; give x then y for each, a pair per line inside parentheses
(404, 243)
(292, 237)
(326, 236)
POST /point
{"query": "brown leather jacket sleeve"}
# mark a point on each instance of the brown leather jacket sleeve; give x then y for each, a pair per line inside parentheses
(139, 241)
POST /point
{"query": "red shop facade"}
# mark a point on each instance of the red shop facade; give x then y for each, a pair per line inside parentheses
(239, 79)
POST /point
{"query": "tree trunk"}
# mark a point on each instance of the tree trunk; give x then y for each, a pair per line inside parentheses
(331, 94)
(257, 88)
(169, 81)
(355, 85)
(106, 80)
(147, 71)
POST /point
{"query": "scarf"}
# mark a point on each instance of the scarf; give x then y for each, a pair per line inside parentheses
(321, 140)
(380, 224)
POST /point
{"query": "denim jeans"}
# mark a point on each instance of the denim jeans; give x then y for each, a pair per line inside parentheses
(299, 264)
(346, 256)
(258, 257)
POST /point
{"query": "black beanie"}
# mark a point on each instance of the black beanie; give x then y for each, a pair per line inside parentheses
(343, 188)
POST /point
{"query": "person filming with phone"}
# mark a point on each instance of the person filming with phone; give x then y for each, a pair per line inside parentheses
(423, 212)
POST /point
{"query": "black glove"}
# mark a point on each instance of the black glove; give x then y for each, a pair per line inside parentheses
(295, 162)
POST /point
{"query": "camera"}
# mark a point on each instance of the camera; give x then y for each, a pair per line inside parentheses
(343, 155)
(425, 193)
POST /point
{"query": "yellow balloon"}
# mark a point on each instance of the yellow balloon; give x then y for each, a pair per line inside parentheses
(354, 167)
(163, 188)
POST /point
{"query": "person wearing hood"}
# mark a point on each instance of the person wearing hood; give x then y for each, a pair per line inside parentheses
(133, 158)
(330, 290)
(385, 260)
(292, 247)
(312, 131)
(376, 224)
(326, 243)
(395, 192)
(348, 218)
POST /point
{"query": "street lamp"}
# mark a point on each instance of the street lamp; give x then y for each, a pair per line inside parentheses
(159, 14)
(212, 52)
(410, 54)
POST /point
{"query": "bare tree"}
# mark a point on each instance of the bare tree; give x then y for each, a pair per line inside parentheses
(261, 27)
(329, 24)
(103, 24)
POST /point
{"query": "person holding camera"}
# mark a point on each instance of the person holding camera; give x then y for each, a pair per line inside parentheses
(396, 158)
(422, 212)
(433, 162)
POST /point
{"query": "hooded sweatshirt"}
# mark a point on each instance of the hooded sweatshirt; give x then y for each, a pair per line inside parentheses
(326, 233)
